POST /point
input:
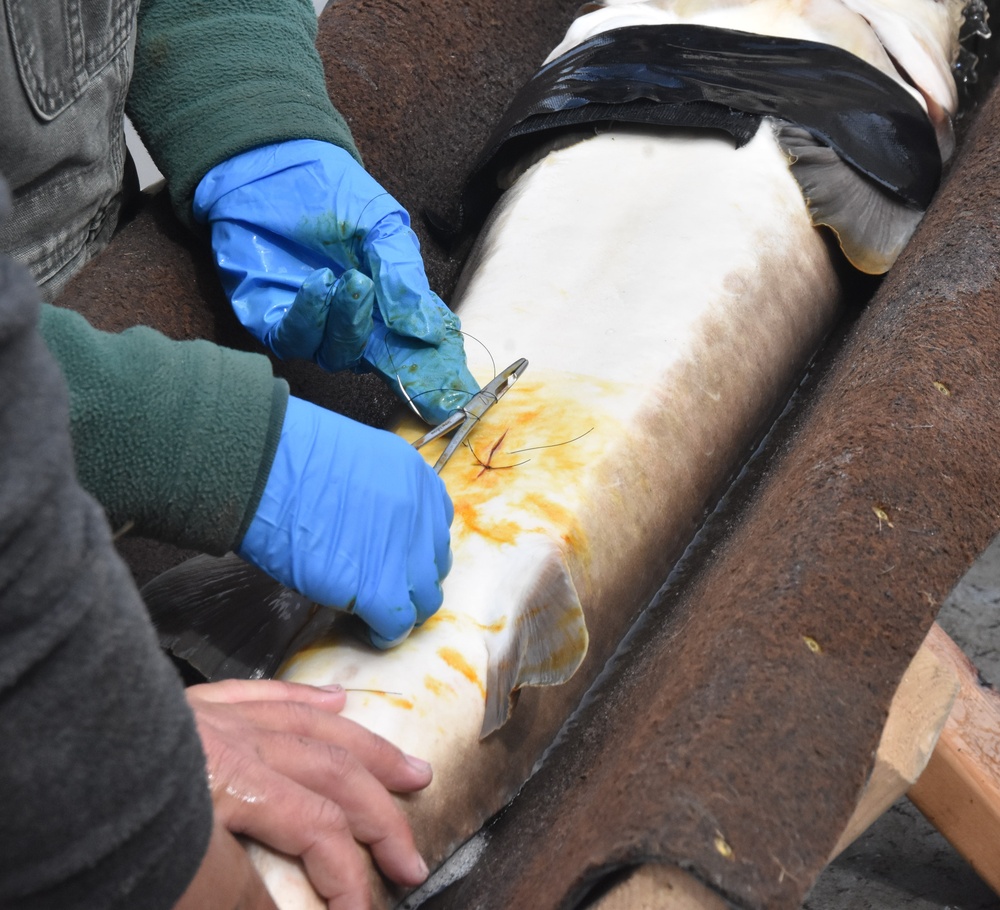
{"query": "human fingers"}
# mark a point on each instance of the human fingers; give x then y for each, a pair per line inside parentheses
(276, 787)
(261, 803)
(274, 763)
(343, 505)
(413, 558)
(329, 320)
(245, 725)
(429, 557)
(435, 380)
(349, 322)
(405, 300)
(329, 698)
(372, 815)
(426, 569)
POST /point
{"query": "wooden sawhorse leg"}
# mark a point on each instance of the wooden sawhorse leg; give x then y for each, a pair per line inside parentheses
(959, 790)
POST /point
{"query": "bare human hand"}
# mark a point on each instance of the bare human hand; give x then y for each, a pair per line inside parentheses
(286, 769)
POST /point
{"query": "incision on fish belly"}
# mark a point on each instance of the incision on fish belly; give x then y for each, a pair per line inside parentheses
(524, 450)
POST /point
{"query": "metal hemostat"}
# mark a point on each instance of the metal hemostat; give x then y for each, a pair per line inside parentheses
(466, 418)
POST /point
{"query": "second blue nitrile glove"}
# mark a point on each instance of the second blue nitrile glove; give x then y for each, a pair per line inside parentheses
(353, 518)
(319, 262)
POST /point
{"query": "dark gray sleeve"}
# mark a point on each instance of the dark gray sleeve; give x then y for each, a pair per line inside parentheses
(102, 779)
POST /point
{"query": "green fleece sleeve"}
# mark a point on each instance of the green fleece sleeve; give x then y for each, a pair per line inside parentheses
(175, 436)
(214, 78)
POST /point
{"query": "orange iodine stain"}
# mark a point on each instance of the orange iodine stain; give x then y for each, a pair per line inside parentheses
(405, 703)
(529, 440)
(538, 441)
(458, 663)
(494, 627)
(442, 616)
(438, 688)
(468, 513)
(559, 516)
(474, 490)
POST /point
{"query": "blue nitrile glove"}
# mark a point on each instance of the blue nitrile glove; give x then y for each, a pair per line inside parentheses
(353, 518)
(320, 263)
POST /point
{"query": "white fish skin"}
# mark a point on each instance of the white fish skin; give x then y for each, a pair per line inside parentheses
(666, 290)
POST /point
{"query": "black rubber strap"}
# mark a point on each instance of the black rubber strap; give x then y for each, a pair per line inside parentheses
(696, 76)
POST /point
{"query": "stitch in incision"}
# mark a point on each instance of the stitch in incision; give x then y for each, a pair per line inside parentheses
(488, 464)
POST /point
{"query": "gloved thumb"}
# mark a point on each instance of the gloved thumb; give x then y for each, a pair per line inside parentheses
(386, 644)
(329, 321)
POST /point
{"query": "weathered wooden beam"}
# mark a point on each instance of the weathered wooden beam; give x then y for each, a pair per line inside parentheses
(918, 713)
(959, 791)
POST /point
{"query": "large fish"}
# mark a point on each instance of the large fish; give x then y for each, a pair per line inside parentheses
(667, 286)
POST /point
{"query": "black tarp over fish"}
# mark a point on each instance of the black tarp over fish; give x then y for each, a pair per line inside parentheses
(693, 76)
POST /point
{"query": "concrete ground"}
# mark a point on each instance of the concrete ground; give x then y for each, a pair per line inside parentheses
(902, 863)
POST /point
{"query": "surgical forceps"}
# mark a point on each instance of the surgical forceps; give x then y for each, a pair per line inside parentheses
(466, 418)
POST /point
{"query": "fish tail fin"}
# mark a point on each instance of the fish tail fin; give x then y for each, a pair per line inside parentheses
(225, 619)
(546, 638)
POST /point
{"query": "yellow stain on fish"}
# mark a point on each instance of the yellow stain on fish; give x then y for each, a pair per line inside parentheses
(535, 438)
(460, 665)
(438, 688)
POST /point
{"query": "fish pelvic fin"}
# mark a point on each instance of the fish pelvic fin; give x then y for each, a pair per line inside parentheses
(222, 618)
(545, 638)
(871, 226)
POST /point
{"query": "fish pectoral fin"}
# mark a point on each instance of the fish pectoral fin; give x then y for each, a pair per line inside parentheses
(542, 638)
(228, 620)
(871, 225)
